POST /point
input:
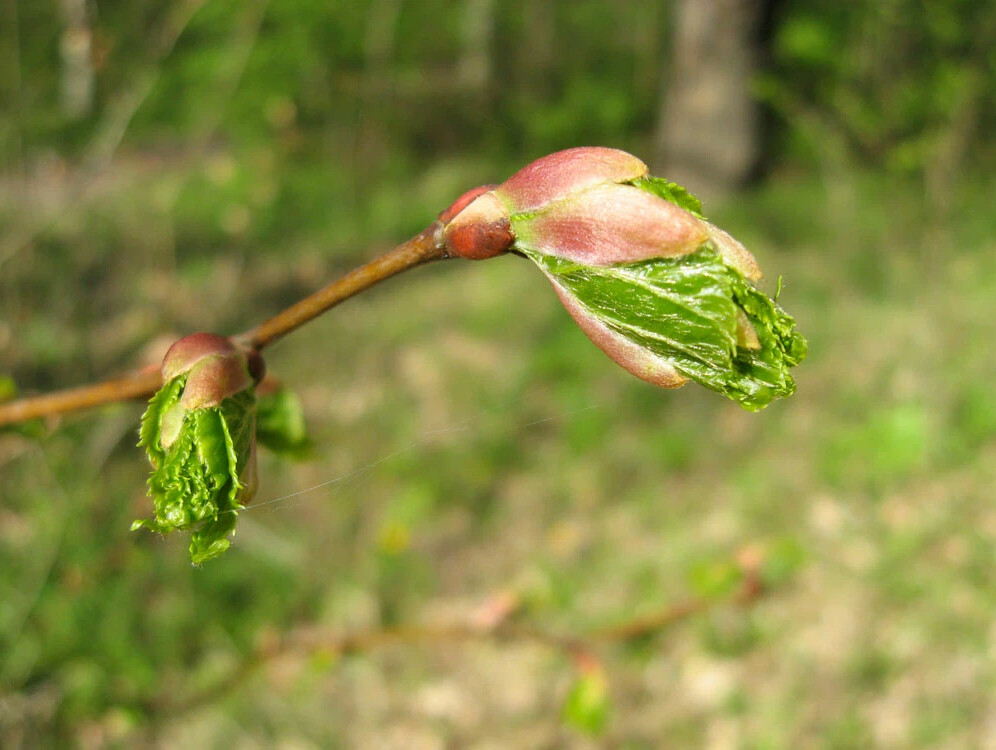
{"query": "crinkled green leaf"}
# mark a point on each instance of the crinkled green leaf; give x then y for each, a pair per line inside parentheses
(197, 482)
(150, 433)
(280, 424)
(686, 311)
(670, 191)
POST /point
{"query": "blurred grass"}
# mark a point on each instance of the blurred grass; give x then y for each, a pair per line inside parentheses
(479, 443)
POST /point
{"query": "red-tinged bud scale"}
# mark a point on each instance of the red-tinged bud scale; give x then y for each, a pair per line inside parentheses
(612, 223)
(480, 231)
(578, 204)
(216, 368)
(565, 173)
(461, 203)
(188, 351)
(213, 380)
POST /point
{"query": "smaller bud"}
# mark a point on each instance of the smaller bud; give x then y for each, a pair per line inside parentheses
(215, 378)
(188, 351)
(199, 432)
(481, 230)
(215, 368)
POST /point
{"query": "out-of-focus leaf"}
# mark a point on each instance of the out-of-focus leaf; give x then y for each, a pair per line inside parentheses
(33, 429)
(782, 560)
(714, 578)
(586, 707)
(7, 388)
(280, 423)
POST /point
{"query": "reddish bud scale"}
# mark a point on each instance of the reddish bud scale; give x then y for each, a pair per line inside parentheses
(580, 204)
(461, 203)
(213, 380)
(612, 223)
(567, 172)
(483, 229)
(215, 367)
(188, 351)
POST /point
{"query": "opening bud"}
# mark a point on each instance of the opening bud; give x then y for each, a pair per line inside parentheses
(199, 432)
(664, 293)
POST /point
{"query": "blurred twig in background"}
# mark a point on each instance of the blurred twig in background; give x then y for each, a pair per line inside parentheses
(494, 622)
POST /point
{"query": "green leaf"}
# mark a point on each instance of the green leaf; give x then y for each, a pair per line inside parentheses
(586, 707)
(714, 578)
(280, 424)
(782, 560)
(150, 432)
(670, 191)
(33, 429)
(694, 311)
(8, 389)
(205, 473)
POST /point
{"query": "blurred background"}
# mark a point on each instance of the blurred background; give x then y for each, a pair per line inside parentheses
(169, 166)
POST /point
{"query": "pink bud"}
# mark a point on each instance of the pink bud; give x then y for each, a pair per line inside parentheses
(213, 379)
(612, 224)
(215, 368)
(564, 173)
(579, 204)
(189, 350)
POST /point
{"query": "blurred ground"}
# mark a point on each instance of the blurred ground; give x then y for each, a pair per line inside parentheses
(470, 442)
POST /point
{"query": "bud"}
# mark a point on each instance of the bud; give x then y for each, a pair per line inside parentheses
(663, 292)
(199, 432)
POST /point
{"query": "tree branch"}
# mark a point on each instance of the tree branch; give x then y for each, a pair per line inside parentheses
(426, 246)
(138, 384)
(581, 649)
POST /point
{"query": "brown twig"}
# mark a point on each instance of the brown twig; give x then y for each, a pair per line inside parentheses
(425, 246)
(580, 649)
(133, 385)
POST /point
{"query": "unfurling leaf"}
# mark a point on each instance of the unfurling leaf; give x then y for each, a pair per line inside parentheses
(199, 432)
(687, 318)
(663, 292)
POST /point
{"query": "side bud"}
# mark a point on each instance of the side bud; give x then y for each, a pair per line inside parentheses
(199, 432)
(481, 229)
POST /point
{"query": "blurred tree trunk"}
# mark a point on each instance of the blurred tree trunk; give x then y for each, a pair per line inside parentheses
(77, 77)
(708, 133)
(474, 69)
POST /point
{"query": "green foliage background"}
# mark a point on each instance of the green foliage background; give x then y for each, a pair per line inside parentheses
(468, 440)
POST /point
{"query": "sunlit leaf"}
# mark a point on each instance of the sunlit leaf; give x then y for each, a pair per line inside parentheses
(203, 466)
